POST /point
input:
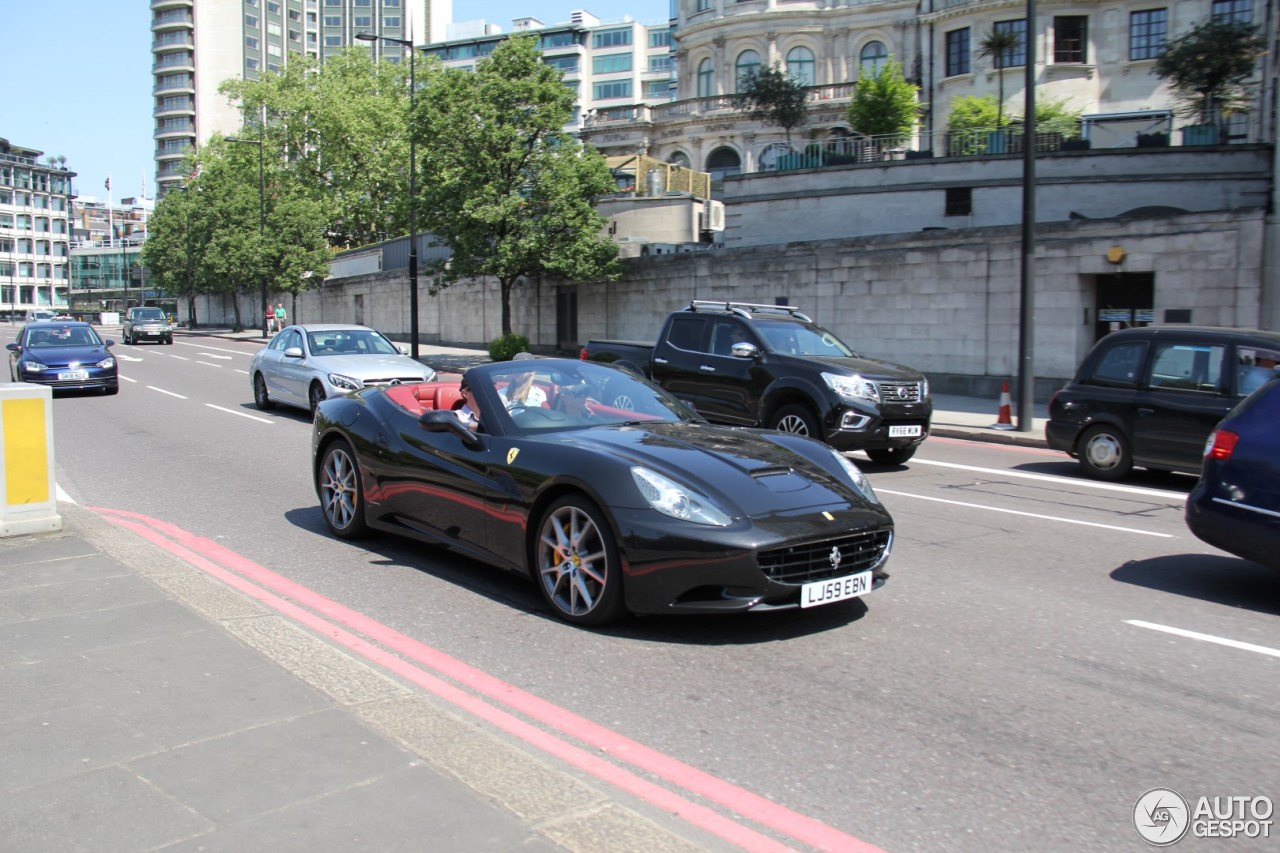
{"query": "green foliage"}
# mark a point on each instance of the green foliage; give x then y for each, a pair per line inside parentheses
(506, 347)
(342, 131)
(1207, 66)
(972, 113)
(771, 95)
(884, 105)
(997, 45)
(972, 116)
(503, 186)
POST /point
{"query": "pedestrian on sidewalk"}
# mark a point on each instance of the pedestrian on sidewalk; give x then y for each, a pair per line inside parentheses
(270, 322)
(280, 317)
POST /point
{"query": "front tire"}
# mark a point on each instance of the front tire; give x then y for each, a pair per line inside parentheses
(1104, 453)
(342, 492)
(315, 396)
(260, 398)
(797, 419)
(892, 455)
(577, 567)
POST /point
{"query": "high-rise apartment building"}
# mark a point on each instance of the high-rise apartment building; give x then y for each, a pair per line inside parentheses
(197, 44)
(35, 204)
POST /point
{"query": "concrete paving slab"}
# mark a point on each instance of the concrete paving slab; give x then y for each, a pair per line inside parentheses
(65, 742)
(81, 632)
(80, 595)
(44, 572)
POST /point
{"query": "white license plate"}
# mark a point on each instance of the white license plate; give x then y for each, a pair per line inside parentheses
(836, 589)
(904, 431)
(73, 376)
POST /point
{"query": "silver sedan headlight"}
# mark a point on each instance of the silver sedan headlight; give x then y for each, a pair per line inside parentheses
(853, 387)
(860, 481)
(670, 498)
(346, 383)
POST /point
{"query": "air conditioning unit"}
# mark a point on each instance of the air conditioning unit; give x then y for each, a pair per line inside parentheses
(712, 217)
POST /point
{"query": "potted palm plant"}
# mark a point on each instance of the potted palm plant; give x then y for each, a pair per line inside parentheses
(1206, 68)
(997, 45)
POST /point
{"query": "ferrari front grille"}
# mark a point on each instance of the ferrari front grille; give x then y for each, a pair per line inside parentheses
(831, 558)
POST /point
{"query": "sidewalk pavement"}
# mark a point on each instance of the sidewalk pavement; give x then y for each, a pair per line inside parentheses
(149, 706)
(954, 415)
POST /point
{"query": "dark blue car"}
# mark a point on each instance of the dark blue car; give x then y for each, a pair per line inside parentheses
(64, 355)
(1236, 504)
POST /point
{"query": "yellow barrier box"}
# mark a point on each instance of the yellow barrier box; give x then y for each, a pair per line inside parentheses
(28, 493)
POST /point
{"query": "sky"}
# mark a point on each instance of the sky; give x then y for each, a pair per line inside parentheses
(80, 87)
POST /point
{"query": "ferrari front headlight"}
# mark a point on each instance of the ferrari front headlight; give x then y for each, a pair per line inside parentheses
(860, 481)
(670, 498)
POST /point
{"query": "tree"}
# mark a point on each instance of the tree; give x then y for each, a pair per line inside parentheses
(771, 95)
(1207, 66)
(174, 247)
(503, 186)
(997, 45)
(342, 130)
(971, 115)
(884, 104)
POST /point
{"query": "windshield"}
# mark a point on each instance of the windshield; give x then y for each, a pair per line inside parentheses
(564, 394)
(62, 336)
(148, 314)
(790, 338)
(350, 342)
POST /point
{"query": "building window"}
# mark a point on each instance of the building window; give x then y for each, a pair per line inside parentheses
(251, 22)
(959, 201)
(958, 52)
(748, 65)
(564, 64)
(872, 58)
(657, 89)
(251, 42)
(1016, 55)
(1232, 12)
(1147, 33)
(612, 90)
(611, 38)
(363, 3)
(273, 7)
(611, 63)
(363, 22)
(391, 22)
(800, 66)
(1070, 36)
(660, 38)
(333, 20)
(706, 77)
(250, 63)
(333, 41)
(391, 3)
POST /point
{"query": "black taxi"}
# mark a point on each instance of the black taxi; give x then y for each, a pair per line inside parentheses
(1150, 396)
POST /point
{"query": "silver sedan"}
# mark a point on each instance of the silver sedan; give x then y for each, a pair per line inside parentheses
(306, 364)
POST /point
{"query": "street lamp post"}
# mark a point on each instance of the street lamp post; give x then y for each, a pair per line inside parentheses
(413, 171)
(262, 206)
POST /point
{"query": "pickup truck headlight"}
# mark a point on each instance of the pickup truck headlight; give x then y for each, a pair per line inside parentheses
(670, 498)
(346, 383)
(860, 481)
(854, 387)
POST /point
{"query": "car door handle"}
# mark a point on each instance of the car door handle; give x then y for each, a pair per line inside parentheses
(708, 368)
(1143, 411)
(657, 360)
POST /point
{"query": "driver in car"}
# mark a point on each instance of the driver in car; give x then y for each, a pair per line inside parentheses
(520, 390)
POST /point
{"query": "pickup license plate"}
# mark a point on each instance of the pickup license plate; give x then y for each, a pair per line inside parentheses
(835, 589)
(904, 431)
(73, 376)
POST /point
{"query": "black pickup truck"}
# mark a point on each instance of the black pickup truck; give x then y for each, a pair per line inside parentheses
(771, 366)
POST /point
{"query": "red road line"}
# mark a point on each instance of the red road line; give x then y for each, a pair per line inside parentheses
(766, 812)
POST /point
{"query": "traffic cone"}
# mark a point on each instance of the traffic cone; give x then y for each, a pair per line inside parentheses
(1004, 420)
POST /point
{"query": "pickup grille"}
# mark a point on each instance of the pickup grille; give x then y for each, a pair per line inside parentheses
(814, 561)
(900, 392)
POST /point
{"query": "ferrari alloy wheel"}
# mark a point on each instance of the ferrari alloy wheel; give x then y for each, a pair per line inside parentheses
(341, 492)
(260, 398)
(797, 419)
(577, 562)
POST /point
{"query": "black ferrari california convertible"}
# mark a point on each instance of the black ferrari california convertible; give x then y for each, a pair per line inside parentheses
(610, 493)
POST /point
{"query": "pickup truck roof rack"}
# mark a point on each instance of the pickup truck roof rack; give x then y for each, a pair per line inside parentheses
(746, 309)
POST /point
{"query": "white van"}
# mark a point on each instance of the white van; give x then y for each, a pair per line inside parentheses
(39, 315)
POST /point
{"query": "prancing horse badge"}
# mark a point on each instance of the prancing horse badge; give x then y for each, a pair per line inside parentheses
(512, 454)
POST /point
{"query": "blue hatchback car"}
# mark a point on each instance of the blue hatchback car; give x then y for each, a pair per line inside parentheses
(1236, 504)
(64, 355)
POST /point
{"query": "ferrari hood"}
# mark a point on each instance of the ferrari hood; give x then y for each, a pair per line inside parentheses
(752, 471)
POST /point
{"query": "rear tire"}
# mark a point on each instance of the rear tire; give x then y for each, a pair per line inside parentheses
(260, 398)
(341, 492)
(1104, 453)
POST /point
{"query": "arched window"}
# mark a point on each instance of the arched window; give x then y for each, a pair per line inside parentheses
(800, 66)
(724, 162)
(872, 59)
(679, 158)
(706, 75)
(748, 64)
